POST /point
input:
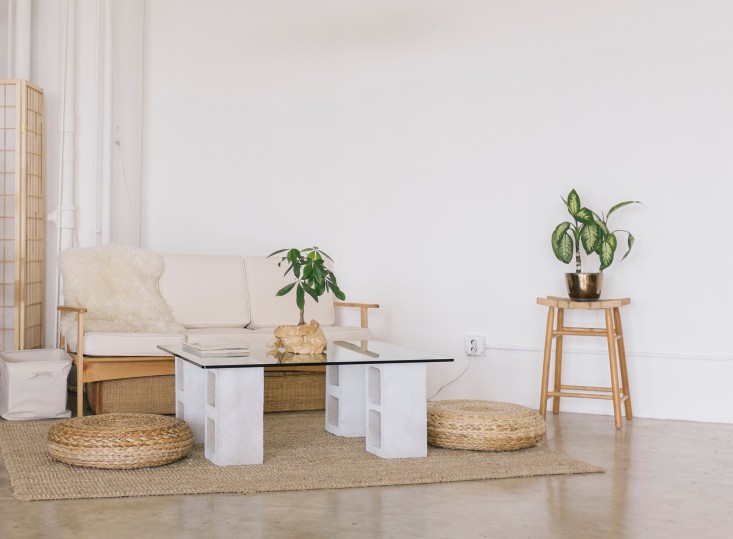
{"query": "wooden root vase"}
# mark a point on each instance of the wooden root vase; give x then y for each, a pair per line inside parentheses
(305, 339)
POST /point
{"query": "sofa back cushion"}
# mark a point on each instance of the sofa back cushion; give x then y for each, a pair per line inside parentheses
(265, 278)
(118, 285)
(206, 291)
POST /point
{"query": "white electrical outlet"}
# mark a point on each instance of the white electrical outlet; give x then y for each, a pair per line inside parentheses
(475, 345)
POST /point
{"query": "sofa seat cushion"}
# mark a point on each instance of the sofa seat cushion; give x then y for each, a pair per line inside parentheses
(206, 291)
(128, 344)
(265, 278)
(332, 333)
(236, 336)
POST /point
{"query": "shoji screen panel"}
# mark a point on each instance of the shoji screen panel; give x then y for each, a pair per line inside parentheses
(21, 215)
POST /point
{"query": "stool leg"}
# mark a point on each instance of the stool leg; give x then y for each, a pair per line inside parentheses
(611, 336)
(622, 362)
(558, 361)
(546, 360)
(79, 386)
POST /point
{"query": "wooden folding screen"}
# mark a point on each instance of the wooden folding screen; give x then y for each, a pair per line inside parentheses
(21, 215)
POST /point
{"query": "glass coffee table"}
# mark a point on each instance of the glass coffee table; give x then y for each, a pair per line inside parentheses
(374, 390)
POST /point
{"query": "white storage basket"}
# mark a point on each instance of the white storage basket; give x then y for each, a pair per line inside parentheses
(33, 384)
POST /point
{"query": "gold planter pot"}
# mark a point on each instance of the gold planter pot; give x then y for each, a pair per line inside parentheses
(584, 286)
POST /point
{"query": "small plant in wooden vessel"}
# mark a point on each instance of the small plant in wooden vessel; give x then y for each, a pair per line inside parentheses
(312, 277)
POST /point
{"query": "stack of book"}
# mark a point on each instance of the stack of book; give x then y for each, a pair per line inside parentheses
(216, 350)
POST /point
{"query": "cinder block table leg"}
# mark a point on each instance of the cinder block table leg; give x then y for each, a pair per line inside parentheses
(234, 416)
(191, 397)
(397, 410)
(345, 400)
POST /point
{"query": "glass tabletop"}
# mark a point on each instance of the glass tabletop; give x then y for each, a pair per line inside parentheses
(337, 353)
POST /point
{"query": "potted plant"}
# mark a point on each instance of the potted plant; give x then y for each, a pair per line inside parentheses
(312, 277)
(592, 232)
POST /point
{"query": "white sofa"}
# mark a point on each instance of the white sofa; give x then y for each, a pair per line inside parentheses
(206, 299)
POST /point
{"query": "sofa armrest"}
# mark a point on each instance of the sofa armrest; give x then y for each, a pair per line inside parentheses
(79, 358)
(67, 308)
(364, 307)
(63, 309)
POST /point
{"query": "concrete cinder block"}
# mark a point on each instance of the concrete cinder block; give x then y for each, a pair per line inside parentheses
(234, 416)
(191, 397)
(345, 400)
(397, 410)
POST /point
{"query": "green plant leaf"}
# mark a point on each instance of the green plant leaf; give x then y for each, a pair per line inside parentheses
(300, 298)
(276, 253)
(585, 216)
(563, 248)
(559, 232)
(601, 224)
(590, 235)
(607, 250)
(573, 203)
(621, 205)
(318, 273)
(611, 238)
(324, 254)
(312, 293)
(337, 292)
(293, 255)
(630, 243)
(296, 269)
(285, 289)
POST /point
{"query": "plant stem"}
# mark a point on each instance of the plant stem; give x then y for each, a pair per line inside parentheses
(302, 320)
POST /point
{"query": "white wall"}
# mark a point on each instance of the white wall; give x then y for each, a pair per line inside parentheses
(435, 139)
(4, 38)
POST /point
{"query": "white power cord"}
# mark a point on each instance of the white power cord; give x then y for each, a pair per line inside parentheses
(470, 360)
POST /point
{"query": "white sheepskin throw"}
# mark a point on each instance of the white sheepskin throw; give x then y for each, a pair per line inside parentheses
(118, 285)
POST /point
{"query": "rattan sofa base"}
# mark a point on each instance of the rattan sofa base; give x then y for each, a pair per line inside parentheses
(285, 391)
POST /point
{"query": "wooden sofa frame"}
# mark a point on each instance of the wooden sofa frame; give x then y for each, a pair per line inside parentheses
(98, 368)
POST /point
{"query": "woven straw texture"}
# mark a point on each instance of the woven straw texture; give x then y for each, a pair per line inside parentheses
(145, 395)
(285, 391)
(299, 455)
(294, 391)
(483, 425)
(120, 441)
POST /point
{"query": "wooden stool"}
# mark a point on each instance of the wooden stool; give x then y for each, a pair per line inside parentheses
(612, 332)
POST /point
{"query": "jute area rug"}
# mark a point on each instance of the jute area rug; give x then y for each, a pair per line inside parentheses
(299, 455)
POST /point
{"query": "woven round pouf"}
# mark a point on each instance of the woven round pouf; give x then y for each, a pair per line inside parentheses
(483, 425)
(120, 441)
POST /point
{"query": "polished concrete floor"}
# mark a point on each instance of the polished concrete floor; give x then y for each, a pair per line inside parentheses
(664, 479)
